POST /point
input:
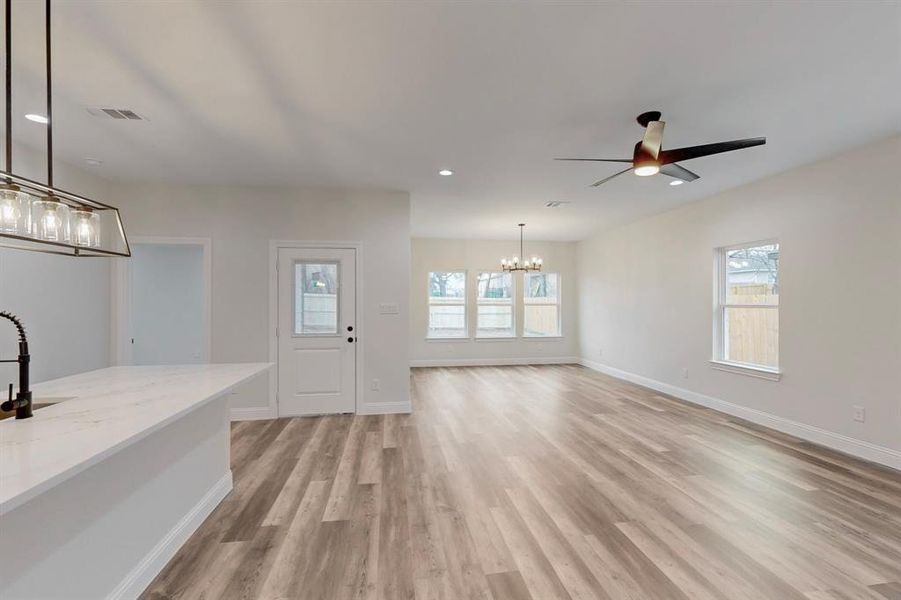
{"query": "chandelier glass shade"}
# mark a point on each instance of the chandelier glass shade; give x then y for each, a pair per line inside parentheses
(521, 264)
(15, 210)
(37, 215)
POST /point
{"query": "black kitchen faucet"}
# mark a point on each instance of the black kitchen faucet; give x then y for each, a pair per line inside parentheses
(22, 402)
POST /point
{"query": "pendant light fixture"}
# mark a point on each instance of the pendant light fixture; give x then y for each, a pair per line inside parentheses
(38, 216)
(516, 264)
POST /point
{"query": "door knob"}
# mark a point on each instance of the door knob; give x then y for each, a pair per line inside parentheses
(350, 339)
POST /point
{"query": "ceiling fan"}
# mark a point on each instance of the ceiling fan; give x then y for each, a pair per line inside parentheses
(649, 158)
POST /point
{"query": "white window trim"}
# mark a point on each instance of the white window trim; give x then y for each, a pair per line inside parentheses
(719, 307)
(446, 338)
(482, 338)
(559, 335)
(746, 369)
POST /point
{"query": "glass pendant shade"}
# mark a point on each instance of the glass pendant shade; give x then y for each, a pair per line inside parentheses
(15, 211)
(50, 220)
(85, 227)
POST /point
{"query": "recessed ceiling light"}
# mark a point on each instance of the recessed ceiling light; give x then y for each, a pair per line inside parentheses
(94, 162)
(37, 118)
(445, 172)
(676, 182)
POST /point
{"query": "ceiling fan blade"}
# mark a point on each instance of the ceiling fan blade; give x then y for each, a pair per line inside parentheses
(619, 160)
(690, 152)
(653, 137)
(606, 179)
(679, 172)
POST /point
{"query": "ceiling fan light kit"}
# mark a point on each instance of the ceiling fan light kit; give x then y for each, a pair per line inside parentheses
(649, 158)
(38, 216)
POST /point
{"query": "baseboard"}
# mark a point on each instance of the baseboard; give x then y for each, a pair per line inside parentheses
(835, 441)
(141, 576)
(385, 408)
(494, 362)
(255, 413)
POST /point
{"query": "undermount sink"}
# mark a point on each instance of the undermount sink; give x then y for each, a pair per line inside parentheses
(36, 405)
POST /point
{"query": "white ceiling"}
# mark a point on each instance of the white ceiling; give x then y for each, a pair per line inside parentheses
(384, 94)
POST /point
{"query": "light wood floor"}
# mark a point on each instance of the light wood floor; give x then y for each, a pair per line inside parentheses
(542, 483)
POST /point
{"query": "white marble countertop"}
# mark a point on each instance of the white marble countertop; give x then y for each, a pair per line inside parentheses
(102, 412)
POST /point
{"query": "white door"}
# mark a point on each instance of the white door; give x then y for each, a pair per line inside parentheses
(168, 304)
(316, 331)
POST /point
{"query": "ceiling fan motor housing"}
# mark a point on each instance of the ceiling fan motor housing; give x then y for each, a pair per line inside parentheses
(641, 157)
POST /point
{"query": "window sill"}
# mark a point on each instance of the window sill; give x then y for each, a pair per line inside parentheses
(750, 371)
(448, 339)
(543, 338)
(496, 338)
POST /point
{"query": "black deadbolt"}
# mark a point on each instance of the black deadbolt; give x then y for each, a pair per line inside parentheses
(350, 327)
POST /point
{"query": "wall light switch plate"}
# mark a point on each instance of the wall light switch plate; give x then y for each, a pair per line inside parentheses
(860, 414)
(376, 384)
(388, 308)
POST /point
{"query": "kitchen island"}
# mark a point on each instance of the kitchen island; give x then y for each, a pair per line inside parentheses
(98, 490)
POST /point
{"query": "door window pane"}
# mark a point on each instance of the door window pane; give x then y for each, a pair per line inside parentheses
(315, 298)
(541, 305)
(495, 305)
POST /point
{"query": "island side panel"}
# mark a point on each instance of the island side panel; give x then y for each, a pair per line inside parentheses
(110, 529)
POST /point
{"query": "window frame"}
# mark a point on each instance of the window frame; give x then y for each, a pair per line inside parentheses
(512, 335)
(559, 304)
(464, 301)
(719, 361)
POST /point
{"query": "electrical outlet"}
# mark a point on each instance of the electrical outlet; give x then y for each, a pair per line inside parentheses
(860, 414)
(375, 385)
(684, 373)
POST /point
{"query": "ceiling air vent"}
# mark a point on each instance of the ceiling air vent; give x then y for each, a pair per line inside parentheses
(115, 113)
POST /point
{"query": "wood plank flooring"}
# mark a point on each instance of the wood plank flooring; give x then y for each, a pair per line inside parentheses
(551, 482)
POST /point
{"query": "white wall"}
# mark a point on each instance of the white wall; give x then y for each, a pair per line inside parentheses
(167, 304)
(63, 301)
(473, 256)
(646, 296)
(242, 221)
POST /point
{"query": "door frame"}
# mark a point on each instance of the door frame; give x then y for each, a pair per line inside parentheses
(121, 289)
(274, 246)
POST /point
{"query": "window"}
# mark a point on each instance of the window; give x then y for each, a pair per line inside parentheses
(495, 305)
(447, 304)
(315, 298)
(541, 305)
(747, 315)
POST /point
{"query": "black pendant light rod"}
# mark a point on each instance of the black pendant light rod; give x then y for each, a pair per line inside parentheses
(9, 89)
(49, 101)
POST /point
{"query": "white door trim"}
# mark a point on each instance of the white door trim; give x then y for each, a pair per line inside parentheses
(274, 246)
(121, 349)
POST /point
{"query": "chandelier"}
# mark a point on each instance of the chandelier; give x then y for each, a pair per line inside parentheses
(514, 264)
(40, 217)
